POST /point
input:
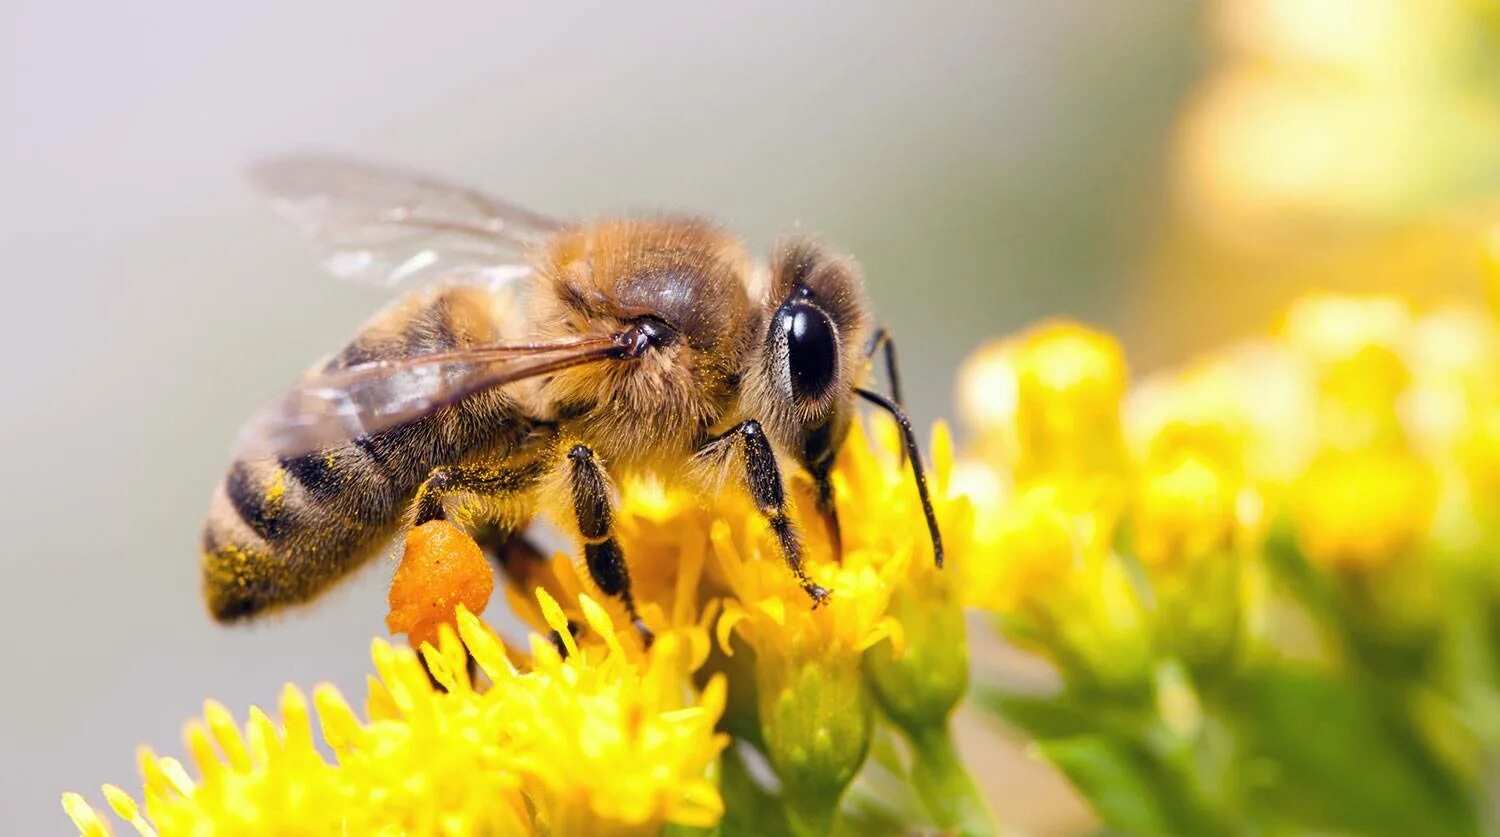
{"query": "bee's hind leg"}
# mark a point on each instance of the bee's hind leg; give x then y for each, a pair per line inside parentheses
(506, 549)
(595, 516)
(446, 482)
(523, 563)
(748, 441)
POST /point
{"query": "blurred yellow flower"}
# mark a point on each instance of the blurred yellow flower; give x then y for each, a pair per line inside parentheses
(1358, 109)
(1358, 349)
(1060, 486)
(1363, 509)
(1250, 408)
(1489, 258)
(1184, 509)
(1333, 144)
(1365, 430)
(1047, 401)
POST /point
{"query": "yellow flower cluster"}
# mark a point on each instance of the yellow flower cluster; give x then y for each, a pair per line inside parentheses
(539, 750)
(1126, 525)
(592, 733)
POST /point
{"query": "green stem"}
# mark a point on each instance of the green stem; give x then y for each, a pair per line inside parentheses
(812, 817)
(749, 807)
(1190, 805)
(945, 786)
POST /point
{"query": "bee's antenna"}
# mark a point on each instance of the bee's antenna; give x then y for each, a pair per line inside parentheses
(915, 455)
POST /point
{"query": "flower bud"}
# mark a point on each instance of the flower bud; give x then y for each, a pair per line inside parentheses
(919, 688)
(1188, 531)
(816, 719)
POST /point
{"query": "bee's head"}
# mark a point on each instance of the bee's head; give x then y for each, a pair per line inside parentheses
(811, 351)
(674, 290)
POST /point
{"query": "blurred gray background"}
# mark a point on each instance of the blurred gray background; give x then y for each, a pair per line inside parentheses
(989, 163)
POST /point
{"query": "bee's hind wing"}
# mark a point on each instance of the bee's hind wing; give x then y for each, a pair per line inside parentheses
(383, 225)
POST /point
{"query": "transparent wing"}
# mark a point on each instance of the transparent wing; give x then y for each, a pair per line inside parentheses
(344, 404)
(379, 224)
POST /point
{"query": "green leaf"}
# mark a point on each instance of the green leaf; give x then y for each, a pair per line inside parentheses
(1112, 754)
(1111, 776)
(1042, 717)
(1324, 753)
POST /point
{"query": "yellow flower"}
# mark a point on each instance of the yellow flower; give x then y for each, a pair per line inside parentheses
(814, 712)
(1216, 447)
(539, 750)
(1047, 402)
(1032, 550)
(1195, 525)
(893, 617)
(1053, 437)
(919, 687)
(669, 533)
(1368, 498)
(1363, 509)
(1063, 436)
(1365, 38)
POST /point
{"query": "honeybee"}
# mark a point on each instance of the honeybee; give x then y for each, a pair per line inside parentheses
(545, 355)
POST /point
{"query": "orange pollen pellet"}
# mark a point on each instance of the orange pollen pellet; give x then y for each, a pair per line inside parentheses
(441, 568)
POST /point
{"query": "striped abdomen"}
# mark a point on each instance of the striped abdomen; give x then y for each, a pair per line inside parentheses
(280, 531)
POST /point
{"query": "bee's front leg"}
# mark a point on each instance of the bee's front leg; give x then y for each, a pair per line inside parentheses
(821, 443)
(592, 507)
(763, 480)
(883, 341)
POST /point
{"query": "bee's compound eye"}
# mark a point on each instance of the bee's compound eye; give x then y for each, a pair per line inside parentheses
(811, 348)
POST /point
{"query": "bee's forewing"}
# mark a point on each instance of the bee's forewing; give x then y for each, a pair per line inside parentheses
(379, 224)
(346, 404)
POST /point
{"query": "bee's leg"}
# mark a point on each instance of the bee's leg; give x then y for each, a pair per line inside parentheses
(883, 340)
(511, 552)
(447, 481)
(823, 486)
(592, 509)
(763, 479)
(522, 562)
(913, 455)
(818, 453)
